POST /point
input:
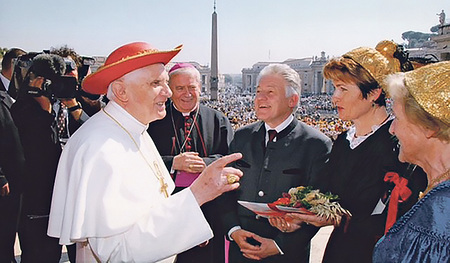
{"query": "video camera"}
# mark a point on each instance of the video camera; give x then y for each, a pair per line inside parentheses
(51, 67)
(20, 70)
(63, 87)
(83, 71)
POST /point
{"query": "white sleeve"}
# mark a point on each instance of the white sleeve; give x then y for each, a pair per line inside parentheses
(170, 228)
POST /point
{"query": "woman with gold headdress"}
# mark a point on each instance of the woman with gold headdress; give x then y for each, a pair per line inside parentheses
(422, 125)
(360, 157)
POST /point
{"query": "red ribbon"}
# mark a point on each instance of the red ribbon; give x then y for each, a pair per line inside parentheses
(400, 193)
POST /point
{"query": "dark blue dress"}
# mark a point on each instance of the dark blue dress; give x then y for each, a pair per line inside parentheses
(422, 234)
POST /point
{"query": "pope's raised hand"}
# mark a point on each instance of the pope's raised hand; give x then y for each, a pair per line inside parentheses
(217, 179)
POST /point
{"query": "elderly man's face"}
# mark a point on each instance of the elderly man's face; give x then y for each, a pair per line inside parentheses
(186, 91)
(148, 92)
(271, 104)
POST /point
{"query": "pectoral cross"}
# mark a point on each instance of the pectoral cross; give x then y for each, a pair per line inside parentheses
(163, 187)
(163, 184)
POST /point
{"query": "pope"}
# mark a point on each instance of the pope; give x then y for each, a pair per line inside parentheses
(112, 190)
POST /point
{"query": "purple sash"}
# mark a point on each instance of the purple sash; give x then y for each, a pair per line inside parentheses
(185, 179)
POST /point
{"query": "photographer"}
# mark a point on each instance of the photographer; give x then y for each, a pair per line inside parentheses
(35, 115)
(70, 114)
(11, 163)
(92, 103)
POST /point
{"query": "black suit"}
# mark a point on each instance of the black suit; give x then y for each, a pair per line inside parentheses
(6, 97)
(215, 129)
(2, 87)
(211, 135)
(41, 147)
(10, 96)
(296, 157)
(11, 172)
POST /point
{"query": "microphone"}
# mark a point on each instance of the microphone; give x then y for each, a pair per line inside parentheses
(48, 66)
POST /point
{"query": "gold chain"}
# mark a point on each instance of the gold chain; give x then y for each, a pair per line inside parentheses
(175, 129)
(156, 170)
(433, 183)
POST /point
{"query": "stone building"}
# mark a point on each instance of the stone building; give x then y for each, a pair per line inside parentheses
(205, 72)
(437, 45)
(443, 42)
(309, 69)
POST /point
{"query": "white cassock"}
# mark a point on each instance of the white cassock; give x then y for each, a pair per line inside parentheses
(106, 193)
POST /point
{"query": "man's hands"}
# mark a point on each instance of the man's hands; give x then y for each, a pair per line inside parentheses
(265, 249)
(43, 101)
(212, 182)
(4, 190)
(285, 224)
(293, 221)
(72, 102)
(189, 162)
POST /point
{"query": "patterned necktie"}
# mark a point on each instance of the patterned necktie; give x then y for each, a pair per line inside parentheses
(61, 122)
(272, 135)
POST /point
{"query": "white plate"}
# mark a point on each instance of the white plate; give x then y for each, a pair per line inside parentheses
(289, 209)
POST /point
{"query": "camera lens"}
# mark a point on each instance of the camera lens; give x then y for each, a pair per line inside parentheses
(70, 64)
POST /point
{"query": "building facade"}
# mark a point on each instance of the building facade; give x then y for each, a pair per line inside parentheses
(437, 46)
(443, 42)
(310, 70)
(205, 73)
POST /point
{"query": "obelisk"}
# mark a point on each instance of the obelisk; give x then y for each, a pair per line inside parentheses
(214, 81)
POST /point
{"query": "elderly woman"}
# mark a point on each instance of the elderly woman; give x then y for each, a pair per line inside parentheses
(422, 125)
(360, 157)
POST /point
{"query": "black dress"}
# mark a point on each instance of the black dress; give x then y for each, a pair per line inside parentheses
(357, 176)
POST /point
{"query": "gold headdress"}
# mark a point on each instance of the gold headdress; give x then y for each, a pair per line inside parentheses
(387, 48)
(430, 87)
(374, 62)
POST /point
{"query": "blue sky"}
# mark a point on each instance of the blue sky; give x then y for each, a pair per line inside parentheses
(250, 31)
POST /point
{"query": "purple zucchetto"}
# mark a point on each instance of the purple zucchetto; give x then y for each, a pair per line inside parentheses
(180, 65)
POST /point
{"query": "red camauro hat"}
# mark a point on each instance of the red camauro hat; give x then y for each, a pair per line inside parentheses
(124, 60)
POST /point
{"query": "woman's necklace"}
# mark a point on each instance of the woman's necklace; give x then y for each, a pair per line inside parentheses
(155, 168)
(376, 125)
(434, 182)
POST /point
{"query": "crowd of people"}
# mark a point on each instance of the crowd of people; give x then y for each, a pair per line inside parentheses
(316, 110)
(131, 164)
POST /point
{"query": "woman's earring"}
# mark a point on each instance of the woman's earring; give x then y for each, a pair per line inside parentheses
(373, 104)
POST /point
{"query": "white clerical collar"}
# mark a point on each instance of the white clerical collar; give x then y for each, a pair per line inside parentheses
(124, 118)
(279, 128)
(355, 141)
(5, 81)
(185, 113)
